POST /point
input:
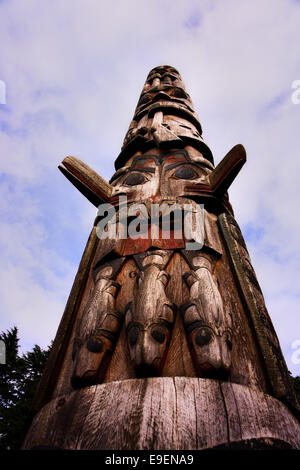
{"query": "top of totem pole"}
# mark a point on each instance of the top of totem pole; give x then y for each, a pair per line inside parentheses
(165, 134)
(164, 118)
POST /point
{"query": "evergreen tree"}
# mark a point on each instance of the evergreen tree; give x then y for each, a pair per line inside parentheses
(19, 378)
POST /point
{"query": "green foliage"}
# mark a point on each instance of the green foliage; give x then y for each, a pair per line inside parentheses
(19, 378)
(296, 384)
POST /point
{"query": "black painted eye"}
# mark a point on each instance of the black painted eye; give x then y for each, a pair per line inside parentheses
(95, 345)
(203, 336)
(134, 178)
(185, 173)
(158, 336)
(133, 335)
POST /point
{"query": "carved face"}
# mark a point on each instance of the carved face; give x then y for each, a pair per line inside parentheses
(96, 331)
(163, 84)
(148, 346)
(168, 91)
(149, 320)
(150, 176)
(210, 346)
(206, 322)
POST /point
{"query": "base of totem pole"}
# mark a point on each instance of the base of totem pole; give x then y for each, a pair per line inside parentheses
(164, 413)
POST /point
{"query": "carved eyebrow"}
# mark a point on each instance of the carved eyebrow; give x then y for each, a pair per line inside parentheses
(117, 175)
(197, 165)
(144, 169)
(140, 158)
(179, 155)
(173, 165)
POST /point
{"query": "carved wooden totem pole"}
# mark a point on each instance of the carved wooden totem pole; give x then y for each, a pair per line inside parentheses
(165, 342)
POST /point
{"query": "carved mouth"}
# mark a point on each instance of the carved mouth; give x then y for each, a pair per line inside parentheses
(146, 370)
(208, 371)
(87, 379)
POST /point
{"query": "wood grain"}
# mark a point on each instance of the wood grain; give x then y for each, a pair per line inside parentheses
(152, 319)
(258, 317)
(89, 178)
(48, 382)
(162, 414)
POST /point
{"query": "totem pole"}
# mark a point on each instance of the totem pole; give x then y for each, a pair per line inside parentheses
(165, 342)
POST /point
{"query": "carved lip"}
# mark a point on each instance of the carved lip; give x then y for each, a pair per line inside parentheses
(172, 108)
(209, 371)
(163, 99)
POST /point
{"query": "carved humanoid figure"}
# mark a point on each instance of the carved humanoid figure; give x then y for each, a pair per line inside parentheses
(164, 161)
(166, 179)
(97, 329)
(150, 316)
(208, 328)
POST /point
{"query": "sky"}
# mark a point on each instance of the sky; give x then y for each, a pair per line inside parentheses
(72, 72)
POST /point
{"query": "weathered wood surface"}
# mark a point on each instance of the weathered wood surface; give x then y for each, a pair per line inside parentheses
(163, 413)
(208, 328)
(225, 172)
(160, 176)
(164, 116)
(246, 367)
(159, 306)
(89, 178)
(251, 294)
(62, 339)
(98, 329)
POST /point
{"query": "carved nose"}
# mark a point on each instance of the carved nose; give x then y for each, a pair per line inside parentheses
(161, 96)
(145, 358)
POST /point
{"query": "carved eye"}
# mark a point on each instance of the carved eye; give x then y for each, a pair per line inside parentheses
(228, 341)
(203, 336)
(95, 345)
(134, 178)
(167, 79)
(133, 335)
(179, 93)
(185, 173)
(164, 278)
(158, 336)
(144, 99)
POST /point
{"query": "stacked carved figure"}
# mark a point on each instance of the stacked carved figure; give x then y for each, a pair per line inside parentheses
(165, 163)
(165, 290)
